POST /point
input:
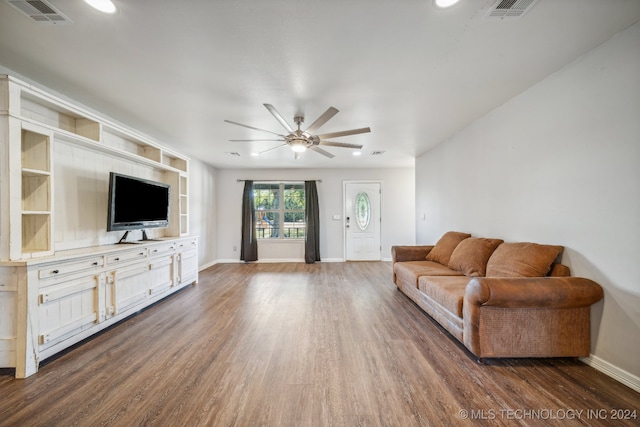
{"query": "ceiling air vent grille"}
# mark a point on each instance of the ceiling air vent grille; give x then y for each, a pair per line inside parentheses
(503, 9)
(40, 11)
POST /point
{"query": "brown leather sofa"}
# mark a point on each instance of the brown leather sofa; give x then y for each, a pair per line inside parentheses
(499, 299)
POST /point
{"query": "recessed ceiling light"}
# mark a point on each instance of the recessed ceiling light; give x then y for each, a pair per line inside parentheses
(105, 6)
(444, 3)
(357, 153)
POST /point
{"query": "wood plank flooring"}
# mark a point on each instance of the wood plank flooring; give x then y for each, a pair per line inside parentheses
(328, 344)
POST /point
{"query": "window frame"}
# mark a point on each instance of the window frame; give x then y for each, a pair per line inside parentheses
(282, 231)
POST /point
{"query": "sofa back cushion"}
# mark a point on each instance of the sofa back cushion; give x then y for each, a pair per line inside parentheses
(522, 260)
(559, 270)
(441, 252)
(471, 255)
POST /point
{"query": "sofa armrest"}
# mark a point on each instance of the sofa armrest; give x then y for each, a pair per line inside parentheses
(528, 317)
(409, 253)
(534, 292)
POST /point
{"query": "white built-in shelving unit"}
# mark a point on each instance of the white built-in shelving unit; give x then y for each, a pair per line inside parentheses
(62, 275)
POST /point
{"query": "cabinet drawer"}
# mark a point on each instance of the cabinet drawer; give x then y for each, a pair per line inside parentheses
(164, 249)
(187, 244)
(56, 270)
(126, 256)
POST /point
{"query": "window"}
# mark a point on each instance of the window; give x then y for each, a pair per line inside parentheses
(363, 211)
(279, 210)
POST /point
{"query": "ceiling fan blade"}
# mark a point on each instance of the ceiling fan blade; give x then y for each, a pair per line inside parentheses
(344, 133)
(278, 117)
(339, 144)
(251, 127)
(255, 140)
(272, 148)
(321, 151)
(324, 118)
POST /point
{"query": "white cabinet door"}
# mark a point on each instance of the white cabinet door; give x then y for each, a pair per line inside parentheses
(68, 307)
(161, 275)
(130, 286)
(188, 267)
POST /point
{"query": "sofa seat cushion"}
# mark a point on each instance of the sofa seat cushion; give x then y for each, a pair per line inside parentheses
(408, 272)
(448, 291)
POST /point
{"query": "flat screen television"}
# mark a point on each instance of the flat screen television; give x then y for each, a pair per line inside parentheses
(136, 203)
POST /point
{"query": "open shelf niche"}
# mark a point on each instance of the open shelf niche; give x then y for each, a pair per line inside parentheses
(36, 200)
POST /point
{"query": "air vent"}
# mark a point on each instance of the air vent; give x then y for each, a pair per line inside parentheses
(377, 153)
(503, 9)
(41, 12)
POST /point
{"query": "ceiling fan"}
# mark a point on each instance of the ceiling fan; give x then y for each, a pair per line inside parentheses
(300, 140)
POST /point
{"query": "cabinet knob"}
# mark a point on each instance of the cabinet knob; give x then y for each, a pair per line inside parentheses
(56, 271)
(117, 259)
(95, 263)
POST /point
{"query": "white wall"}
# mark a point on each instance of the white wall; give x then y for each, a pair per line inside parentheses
(203, 204)
(559, 164)
(398, 209)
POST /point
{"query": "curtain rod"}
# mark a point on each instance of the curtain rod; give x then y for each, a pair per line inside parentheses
(278, 180)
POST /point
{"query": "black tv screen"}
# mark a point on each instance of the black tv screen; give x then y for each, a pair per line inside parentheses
(136, 203)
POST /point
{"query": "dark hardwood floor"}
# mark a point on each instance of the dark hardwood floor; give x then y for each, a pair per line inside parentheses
(301, 345)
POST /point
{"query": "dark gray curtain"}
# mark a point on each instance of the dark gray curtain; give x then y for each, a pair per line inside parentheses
(249, 245)
(312, 218)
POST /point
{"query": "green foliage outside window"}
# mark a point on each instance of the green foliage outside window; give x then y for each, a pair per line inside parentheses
(279, 210)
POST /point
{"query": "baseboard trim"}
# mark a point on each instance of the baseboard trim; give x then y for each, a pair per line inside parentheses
(227, 261)
(265, 261)
(207, 265)
(613, 371)
(235, 260)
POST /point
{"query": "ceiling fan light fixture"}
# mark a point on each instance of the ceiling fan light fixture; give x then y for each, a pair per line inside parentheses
(105, 6)
(298, 147)
(443, 4)
(300, 140)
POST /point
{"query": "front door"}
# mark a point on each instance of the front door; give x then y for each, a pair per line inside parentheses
(362, 221)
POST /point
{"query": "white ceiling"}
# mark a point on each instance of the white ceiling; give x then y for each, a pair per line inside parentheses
(413, 73)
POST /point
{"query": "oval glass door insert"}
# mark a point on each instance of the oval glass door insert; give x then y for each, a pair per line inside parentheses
(363, 211)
